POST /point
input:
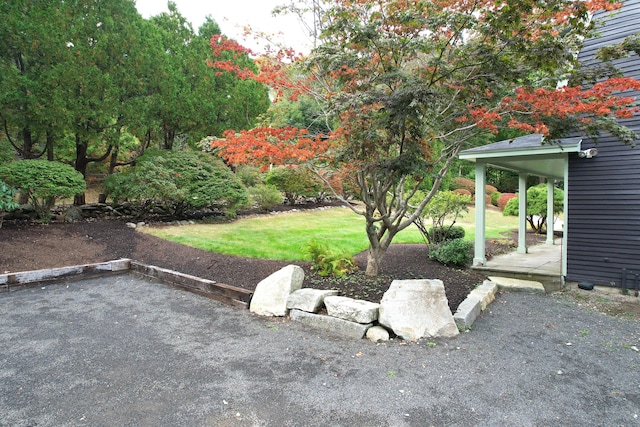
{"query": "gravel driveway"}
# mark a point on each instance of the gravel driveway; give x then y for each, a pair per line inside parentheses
(121, 351)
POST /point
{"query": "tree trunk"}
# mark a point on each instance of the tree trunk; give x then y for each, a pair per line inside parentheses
(81, 166)
(374, 259)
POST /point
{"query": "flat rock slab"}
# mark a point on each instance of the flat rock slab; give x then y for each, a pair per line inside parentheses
(308, 299)
(414, 309)
(518, 285)
(475, 303)
(338, 326)
(353, 310)
(270, 296)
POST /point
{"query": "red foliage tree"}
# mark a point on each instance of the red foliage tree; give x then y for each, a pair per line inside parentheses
(411, 82)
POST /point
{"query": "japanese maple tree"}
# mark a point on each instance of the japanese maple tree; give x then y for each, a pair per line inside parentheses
(411, 82)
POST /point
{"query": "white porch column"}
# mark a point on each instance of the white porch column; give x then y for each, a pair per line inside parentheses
(479, 256)
(522, 213)
(550, 217)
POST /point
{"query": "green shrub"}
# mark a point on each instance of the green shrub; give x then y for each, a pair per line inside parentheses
(444, 206)
(452, 253)
(43, 182)
(494, 198)
(294, 182)
(446, 233)
(327, 262)
(249, 175)
(536, 206)
(265, 196)
(181, 181)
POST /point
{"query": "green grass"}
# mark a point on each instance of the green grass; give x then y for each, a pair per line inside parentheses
(284, 236)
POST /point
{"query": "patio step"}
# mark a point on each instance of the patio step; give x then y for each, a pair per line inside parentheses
(519, 285)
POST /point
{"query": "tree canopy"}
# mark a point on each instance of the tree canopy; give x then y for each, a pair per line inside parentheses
(411, 82)
(84, 80)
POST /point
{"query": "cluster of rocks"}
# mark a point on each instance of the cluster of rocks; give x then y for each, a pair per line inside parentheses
(410, 309)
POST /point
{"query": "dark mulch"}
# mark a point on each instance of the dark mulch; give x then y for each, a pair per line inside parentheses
(37, 246)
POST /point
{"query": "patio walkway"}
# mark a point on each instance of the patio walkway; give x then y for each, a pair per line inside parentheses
(543, 263)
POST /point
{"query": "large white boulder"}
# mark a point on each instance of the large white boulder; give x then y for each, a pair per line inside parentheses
(270, 296)
(350, 309)
(419, 308)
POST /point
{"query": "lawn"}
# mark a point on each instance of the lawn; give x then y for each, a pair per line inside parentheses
(283, 236)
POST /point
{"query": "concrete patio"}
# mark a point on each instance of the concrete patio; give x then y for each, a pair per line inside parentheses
(542, 263)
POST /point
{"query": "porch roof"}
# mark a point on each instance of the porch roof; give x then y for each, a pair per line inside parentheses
(531, 154)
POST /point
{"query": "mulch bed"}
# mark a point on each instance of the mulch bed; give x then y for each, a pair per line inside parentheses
(32, 246)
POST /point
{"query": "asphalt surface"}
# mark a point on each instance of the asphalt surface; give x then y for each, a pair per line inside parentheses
(121, 351)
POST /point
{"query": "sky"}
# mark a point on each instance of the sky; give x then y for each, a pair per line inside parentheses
(233, 15)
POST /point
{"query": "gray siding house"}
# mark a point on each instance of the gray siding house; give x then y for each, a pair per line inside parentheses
(603, 230)
(601, 242)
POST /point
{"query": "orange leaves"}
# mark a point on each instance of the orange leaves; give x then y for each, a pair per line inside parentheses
(485, 118)
(530, 108)
(602, 99)
(273, 67)
(269, 146)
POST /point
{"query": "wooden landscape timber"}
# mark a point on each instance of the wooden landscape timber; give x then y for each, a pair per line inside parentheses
(227, 294)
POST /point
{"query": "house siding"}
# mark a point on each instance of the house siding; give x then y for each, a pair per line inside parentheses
(603, 214)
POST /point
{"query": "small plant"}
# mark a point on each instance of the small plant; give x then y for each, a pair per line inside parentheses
(452, 253)
(327, 262)
(443, 211)
(265, 196)
(7, 201)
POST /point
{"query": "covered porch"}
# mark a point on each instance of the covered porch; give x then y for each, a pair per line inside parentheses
(527, 155)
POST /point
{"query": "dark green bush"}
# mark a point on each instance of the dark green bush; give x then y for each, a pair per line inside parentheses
(452, 253)
(536, 206)
(327, 262)
(294, 182)
(446, 233)
(265, 196)
(181, 181)
(43, 182)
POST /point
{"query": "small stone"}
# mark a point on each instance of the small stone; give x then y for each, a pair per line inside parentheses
(377, 334)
